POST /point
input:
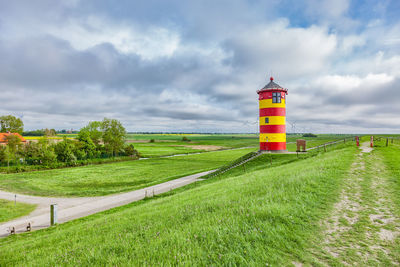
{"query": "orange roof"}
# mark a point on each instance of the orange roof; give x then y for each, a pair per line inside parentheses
(3, 137)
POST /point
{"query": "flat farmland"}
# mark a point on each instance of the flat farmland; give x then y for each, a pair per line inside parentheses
(171, 144)
(98, 180)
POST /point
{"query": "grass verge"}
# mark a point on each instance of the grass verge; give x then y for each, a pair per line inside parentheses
(264, 217)
(97, 180)
(9, 210)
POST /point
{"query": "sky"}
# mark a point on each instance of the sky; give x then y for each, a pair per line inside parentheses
(195, 66)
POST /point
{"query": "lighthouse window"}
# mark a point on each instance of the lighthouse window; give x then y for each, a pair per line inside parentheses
(276, 97)
(266, 120)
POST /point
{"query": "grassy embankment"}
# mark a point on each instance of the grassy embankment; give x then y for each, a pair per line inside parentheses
(391, 156)
(364, 227)
(263, 217)
(9, 211)
(97, 180)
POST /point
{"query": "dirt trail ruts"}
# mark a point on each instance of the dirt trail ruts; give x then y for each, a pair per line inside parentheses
(363, 226)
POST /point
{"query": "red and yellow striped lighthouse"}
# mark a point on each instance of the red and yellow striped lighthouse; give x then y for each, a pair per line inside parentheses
(272, 100)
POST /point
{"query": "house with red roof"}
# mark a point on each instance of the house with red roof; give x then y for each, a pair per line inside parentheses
(4, 140)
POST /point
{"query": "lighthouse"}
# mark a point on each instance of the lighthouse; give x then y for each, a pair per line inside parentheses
(272, 104)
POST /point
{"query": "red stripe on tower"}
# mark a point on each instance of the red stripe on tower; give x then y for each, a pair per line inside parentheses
(272, 112)
(272, 128)
(272, 145)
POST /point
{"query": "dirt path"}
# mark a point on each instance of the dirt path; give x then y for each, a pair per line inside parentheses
(73, 208)
(363, 227)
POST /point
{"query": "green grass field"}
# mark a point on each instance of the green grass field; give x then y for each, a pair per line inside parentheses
(97, 180)
(9, 211)
(151, 150)
(170, 144)
(264, 217)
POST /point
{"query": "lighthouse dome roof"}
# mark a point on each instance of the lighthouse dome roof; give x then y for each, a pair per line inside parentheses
(272, 85)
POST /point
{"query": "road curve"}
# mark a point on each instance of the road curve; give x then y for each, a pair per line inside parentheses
(73, 208)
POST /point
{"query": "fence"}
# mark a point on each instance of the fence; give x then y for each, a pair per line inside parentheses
(387, 139)
(332, 143)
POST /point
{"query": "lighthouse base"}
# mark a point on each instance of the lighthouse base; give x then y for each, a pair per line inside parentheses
(273, 146)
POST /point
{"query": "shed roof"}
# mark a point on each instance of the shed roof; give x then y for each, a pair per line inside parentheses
(3, 137)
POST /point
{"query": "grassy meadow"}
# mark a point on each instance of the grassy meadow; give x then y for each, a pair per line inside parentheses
(262, 217)
(98, 180)
(171, 144)
(9, 210)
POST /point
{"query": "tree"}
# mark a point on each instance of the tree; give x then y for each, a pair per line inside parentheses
(3, 154)
(49, 132)
(13, 142)
(86, 144)
(94, 129)
(113, 135)
(12, 124)
(65, 151)
(13, 145)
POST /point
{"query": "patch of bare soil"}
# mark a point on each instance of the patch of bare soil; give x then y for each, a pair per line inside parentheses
(147, 141)
(204, 147)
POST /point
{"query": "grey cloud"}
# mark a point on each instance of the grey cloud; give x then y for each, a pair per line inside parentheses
(188, 90)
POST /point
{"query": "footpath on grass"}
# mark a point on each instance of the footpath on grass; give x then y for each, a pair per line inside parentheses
(363, 228)
(73, 208)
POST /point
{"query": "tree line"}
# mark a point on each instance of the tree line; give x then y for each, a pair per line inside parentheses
(97, 141)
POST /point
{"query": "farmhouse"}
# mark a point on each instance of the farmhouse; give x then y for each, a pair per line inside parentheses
(4, 140)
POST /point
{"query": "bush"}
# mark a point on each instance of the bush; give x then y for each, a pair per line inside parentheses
(185, 139)
(309, 135)
(130, 150)
(151, 141)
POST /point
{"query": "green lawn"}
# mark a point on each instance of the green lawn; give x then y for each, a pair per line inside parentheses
(391, 155)
(261, 218)
(9, 211)
(97, 180)
(172, 144)
(150, 150)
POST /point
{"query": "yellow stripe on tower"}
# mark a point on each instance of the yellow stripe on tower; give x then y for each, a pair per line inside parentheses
(267, 103)
(273, 120)
(272, 137)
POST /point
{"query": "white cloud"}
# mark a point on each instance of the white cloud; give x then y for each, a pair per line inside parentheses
(150, 43)
(288, 51)
(347, 83)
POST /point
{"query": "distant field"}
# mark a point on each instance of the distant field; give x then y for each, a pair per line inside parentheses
(9, 211)
(97, 180)
(170, 144)
(264, 217)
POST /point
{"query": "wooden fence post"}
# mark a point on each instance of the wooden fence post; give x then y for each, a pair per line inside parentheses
(53, 214)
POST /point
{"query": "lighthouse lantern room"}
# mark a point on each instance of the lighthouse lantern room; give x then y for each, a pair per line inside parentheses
(272, 102)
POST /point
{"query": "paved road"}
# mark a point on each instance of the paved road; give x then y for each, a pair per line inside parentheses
(73, 208)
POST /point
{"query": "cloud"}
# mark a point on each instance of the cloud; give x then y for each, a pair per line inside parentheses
(196, 66)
